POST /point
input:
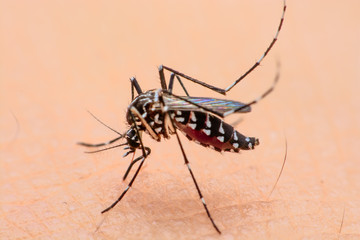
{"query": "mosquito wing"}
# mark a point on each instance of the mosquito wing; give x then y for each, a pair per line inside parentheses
(220, 106)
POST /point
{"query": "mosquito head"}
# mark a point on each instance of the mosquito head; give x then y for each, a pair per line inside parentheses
(132, 139)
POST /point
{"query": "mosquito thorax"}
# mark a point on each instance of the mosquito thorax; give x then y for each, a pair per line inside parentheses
(146, 111)
(144, 103)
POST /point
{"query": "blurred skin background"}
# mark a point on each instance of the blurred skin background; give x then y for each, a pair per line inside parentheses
(61, 58)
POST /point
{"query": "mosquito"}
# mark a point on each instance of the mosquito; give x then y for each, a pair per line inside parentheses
(160, 113)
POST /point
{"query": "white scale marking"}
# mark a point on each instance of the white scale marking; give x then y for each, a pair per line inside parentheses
(192, 125)
(157, 130)
(151, 123)
(247, 139)
(157, 119)
(235, 145)
(208, 123)
(203, 200)
(250, 145)
(192, 116)
(156, 96)
(180, 119)
(144, 114)
(220, 138)
(235, 136)
(188, 165)
(207, 131)
(221, 129)
(178, 112)
(261, 59)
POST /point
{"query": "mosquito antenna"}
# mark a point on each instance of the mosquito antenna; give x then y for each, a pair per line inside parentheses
(97, 119)
(99, 144)
(282, 168)
(108, 148)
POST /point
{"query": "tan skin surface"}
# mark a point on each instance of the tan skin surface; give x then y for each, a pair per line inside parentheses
(59, 59)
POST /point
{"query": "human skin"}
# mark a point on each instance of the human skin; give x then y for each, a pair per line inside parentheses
(60, 59)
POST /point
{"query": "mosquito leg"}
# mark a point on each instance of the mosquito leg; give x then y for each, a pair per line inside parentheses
(171, 83)
(162, 78)
(264, 54)
(128, 187)
(134, 161)
(143, 157)
(216, 89)
(191, 173)
(196, 185)
(182, 85)
(131, 164)
(239, 109)
(132, 91)
(267, 92)
(224, 91)
(135, 84)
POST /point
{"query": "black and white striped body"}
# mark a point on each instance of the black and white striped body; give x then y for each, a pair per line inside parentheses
(210, 131)
(202, 127)
(160, 113)
(151, 116)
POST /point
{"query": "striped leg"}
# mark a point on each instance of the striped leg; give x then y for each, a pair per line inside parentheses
(196, 185)
(128, 187)
(224, 91)
(240, 109)
(134, 161)
(187, 161)
(171, 81)
(142, 158)
(267, 92)
(135, 84)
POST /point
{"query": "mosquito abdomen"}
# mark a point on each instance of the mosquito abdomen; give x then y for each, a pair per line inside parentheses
(210, 131)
